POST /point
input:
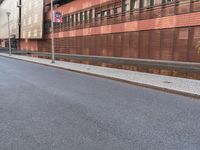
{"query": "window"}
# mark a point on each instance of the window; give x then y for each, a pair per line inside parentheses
(81, 16)
(68, 20)
(90, 13)
(146, 3)
(64, 20)
(102, 13)
(132, 4)
(124, 6)
(115, 10)
(72, 19)
(151, 3)
(141, 3)
(46, 26)
(76, 18)
(85, 15)
(167, 1)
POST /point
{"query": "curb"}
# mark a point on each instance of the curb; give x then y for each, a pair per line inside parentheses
(196, 96)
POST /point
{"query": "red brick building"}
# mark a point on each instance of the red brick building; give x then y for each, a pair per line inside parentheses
(152, 29)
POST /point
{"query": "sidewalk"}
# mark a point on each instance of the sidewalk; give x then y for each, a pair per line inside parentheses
(177, 85)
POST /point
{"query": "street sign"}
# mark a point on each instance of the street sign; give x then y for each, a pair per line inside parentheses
(57, 17)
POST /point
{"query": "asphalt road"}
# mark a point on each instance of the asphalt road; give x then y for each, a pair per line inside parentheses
(44, 108)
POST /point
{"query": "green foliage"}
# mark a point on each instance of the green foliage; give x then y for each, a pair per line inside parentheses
(198, 47)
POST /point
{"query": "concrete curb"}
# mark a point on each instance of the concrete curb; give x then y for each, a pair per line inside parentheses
(173, 91)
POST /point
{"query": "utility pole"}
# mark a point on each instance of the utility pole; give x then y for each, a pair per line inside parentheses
(9, 43)
(52, 33)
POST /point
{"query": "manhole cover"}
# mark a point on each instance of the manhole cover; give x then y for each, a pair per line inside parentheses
(167, 82)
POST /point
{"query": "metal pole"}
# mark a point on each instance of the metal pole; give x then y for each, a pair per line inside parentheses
(52, 33)
(19, 23)
(9, 43)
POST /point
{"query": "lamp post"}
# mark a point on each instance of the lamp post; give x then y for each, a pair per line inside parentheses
(52, 33)
(9, 43)
(19, 5)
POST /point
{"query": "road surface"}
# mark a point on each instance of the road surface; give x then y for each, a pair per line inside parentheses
(44, 108)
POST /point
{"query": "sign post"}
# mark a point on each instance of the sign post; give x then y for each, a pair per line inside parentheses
(52, 33)
(55, 17)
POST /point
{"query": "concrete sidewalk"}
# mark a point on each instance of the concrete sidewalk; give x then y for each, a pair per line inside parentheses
(187, 87)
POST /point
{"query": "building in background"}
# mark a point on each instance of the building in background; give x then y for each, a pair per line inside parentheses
(8, 6)
(146, 29)
(31, 24)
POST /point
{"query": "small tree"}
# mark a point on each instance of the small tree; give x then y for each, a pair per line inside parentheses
(198, 47)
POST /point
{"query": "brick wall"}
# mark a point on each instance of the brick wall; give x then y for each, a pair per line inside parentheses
(29, 45)
(176, 44)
